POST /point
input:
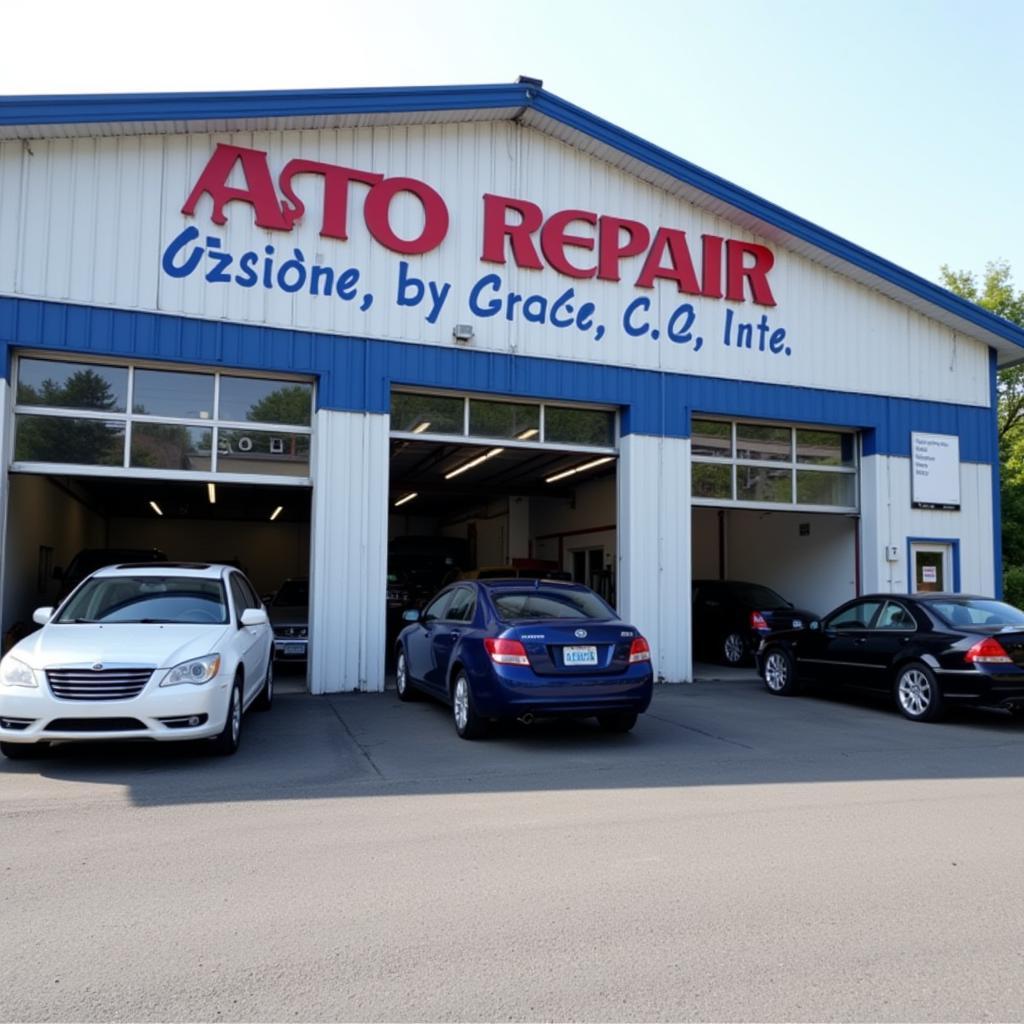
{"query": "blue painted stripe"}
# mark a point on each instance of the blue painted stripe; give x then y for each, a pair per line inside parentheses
(358, 373)
(997, 497)
(21, 110)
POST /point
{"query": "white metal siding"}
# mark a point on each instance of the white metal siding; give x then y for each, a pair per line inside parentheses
(86, 220)
(654, 548)
(888, 519)
(349, 544)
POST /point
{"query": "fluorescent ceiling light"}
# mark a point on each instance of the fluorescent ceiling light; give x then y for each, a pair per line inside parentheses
(277, 511)
(156, 508)
(421, 427)
(527, 434)
(474, 462)
(211, 493)
(408, 497)
(578, 469)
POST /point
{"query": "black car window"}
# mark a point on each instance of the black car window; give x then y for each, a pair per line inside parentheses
(462, 605)
(753, 595)
(895, 616)
(976, 611)
(438, 607)
(856, 616)
(294, 594)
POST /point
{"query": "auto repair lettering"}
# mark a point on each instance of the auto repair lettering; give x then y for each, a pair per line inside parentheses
(577, 244)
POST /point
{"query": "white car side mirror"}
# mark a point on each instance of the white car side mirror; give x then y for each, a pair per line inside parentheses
(254, 617)
(42, 615)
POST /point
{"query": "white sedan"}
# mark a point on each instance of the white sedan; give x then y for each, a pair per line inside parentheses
(161, 651)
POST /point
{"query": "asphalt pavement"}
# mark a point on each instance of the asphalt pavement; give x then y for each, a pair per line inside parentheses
(737, 857)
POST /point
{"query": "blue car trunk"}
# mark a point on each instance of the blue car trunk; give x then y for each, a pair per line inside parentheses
(561, 650)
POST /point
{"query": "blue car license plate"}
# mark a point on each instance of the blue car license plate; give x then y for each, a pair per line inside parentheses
(579, 655)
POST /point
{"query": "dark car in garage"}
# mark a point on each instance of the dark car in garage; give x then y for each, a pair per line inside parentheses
(515, 649)
(289, 617)
(730, 617)
(925, 651)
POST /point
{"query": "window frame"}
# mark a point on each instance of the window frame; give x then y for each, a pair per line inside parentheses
(126, 419)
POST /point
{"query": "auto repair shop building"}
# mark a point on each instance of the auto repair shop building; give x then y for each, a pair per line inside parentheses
(297, 330)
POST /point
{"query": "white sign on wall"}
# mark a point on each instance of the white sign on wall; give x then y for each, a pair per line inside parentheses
(935, 462)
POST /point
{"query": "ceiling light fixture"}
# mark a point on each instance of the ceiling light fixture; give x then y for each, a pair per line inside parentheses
(578, 469)
(211, 493)
(156, 508)
(408, 497)
(277, 511)
(421, 427)
(474, 462)
(527, 434)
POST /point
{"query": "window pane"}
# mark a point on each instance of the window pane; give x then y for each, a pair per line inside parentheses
(710, 437)
(773, 444)
(824, 448)
(857, 616)
(755, 483)
(265, 401)
(504, 419)
(168, 446)
(579, 426)
(423, 414)
(257, 451)
(825, 488)
(68, 439)
(168, 393)
(711, 481)
(72, 385)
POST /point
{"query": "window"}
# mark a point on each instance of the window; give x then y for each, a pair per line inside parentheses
(772, 464)
(857, 616)
(462, 605)
(537, 423)
(147, 599)
(523, 606)
(437, 608)
(895, 616)
(172, 421)
(242, 594)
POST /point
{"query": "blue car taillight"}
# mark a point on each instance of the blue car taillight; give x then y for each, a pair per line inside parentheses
(639, 650)
(506, 652)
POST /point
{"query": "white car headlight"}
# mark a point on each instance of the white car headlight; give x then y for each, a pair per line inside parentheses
(16, 673)
(197, 671)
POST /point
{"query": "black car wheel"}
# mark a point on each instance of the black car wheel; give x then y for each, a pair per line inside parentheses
(779, 676)
(617, 721)
(734, 649)
(406, 691)
(265, 698)
(917, 693)
(468, 723)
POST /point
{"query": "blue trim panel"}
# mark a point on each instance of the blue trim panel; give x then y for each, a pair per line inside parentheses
(952, 541)
(357, 374)
(24, 110)
(997, 497)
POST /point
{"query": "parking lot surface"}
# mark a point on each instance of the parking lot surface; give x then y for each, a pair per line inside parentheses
(738, 856)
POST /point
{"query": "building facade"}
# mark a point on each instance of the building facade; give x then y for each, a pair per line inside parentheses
(474, 320)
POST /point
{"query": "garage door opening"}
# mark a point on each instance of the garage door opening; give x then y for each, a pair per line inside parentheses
(59, 528)
(491, 488)
(775, 507)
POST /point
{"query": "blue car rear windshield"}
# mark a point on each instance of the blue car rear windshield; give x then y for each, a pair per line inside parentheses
(544, 603)
(147, 599)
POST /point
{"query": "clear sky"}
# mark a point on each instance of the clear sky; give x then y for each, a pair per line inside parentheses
(894, 124)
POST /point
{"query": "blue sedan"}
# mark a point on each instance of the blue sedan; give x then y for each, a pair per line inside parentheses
(515, 649)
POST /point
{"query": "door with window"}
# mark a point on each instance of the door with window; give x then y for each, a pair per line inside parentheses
(931, 565)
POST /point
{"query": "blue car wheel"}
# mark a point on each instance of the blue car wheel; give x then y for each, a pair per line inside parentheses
(406, 690)
(468, 723)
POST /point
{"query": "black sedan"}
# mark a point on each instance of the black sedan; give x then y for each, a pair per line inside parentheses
(925, 650)
(730, 618)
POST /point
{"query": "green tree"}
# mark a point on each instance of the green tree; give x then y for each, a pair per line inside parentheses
(287, 404)
(995, 292)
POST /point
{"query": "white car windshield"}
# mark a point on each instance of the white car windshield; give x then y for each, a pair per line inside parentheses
(147, 599)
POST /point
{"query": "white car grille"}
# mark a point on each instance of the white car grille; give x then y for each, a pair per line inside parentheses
(98, 684)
